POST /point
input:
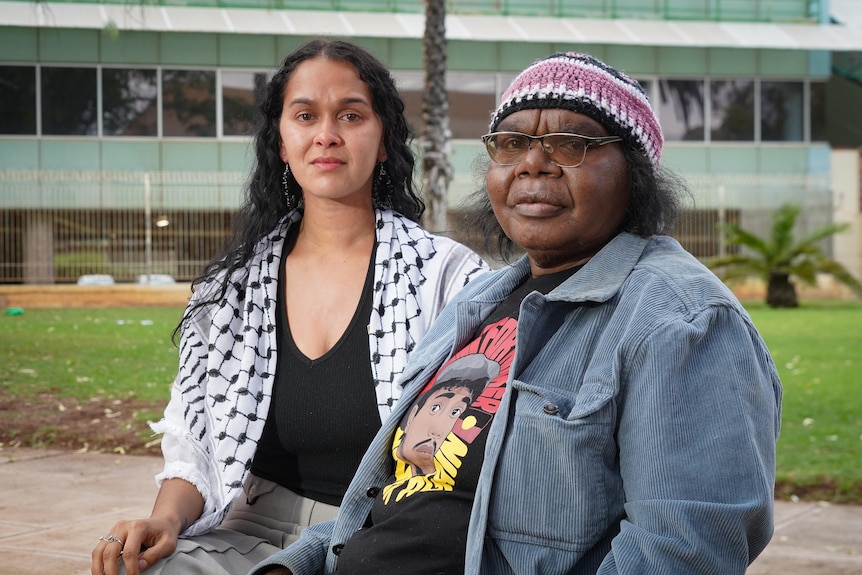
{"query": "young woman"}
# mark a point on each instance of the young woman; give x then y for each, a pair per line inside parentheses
(293, 340)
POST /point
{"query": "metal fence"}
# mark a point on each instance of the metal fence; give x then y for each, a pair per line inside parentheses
(749, 200)
(56, 226)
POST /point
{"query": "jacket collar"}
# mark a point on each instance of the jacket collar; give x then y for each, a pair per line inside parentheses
(599, 280)
(603, 275)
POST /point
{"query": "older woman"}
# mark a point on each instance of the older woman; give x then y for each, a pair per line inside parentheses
(629, 410)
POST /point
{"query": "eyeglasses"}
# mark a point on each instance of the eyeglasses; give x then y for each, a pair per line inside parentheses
(565, 150)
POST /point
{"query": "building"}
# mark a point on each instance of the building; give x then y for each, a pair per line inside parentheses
(124, 125)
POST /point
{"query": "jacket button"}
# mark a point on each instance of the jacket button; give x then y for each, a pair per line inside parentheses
(372, 492)
(551, 409)
(336, 549)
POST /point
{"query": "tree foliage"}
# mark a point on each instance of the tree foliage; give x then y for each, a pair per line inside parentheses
(779, 259)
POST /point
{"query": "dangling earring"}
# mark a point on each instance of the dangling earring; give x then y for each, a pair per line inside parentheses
(382, 190)
(288, 198)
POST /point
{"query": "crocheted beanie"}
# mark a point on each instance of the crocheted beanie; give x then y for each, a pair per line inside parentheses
(580, 83)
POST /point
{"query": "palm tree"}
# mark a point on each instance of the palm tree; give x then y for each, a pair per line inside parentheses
(778, 259)
(436, 169)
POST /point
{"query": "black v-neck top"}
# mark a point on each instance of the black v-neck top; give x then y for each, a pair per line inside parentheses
(324, 412)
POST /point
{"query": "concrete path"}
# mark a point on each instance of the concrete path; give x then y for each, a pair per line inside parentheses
(55, 504)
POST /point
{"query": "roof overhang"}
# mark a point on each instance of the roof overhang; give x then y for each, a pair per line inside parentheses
(847, 12)
(833, 37)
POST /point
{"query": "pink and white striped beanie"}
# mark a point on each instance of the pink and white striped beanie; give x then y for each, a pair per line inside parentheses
(580, 83)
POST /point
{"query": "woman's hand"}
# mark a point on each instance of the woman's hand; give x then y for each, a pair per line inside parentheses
(140, 543)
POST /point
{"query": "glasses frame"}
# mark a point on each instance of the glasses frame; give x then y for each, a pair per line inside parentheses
(588, 142)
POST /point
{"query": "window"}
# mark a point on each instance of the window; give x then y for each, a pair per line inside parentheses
(188, 103)
(69, 102)
(410, 85)
(242, 94)
(681, 109)
(647, 86)
(17, 100)
(471, 100)
(732, 110)
(64, 101)
(129, 102)
(781, 112)
(817, 110)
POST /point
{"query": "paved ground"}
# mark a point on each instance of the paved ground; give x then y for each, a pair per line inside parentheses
(55, 504)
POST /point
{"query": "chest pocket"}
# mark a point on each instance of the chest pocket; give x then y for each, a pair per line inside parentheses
(555, 480)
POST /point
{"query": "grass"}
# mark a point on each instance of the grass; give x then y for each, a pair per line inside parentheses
(113, 356)
(86, 352)
(817, 350)
(126, 353)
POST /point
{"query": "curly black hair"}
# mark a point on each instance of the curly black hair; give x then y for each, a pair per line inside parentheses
(264, 202)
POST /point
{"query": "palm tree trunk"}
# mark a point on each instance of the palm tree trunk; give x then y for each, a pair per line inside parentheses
(434, 144)
(780, 291)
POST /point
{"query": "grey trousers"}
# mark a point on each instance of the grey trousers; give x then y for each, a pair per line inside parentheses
(265, 519)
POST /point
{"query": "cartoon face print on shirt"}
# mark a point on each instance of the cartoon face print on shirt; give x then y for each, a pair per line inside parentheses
(455, 406)
(435, 412)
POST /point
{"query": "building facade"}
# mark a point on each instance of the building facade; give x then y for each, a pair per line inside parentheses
(124, 126)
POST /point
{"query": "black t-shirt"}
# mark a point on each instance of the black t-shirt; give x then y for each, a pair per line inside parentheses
(324, 412)
(418, 522)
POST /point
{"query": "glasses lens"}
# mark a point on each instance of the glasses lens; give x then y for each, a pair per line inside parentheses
(508, 147)
(565, 150)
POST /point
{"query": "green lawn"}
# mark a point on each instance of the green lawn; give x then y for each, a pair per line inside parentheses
(115, 353)
(126, 353)
(818, 351)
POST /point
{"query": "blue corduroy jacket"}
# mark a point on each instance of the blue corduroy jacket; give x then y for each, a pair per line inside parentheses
(658, 455)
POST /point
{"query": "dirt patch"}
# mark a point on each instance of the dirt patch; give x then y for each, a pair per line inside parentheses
(70, 295)
(97, 424)
(826, 490)
(119, 426)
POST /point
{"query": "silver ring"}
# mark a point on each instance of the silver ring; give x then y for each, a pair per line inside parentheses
(110, 538)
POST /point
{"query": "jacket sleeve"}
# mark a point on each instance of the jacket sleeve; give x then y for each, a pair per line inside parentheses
(307, 556)
(698, 424)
